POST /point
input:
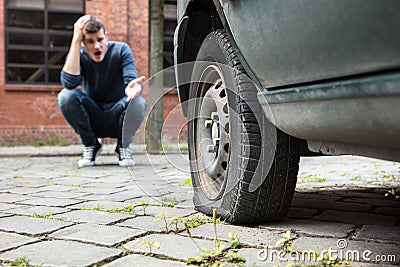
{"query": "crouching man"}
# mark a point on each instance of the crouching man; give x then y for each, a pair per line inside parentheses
(107, 74)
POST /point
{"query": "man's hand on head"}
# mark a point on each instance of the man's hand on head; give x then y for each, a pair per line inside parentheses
(134, 88)
(79, 27)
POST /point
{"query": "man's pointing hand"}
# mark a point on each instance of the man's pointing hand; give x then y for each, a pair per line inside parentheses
(134, 88)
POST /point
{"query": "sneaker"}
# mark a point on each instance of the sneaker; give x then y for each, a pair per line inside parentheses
(124, 156)
(89, 155)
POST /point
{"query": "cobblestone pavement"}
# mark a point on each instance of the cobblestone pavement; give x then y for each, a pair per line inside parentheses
(53, 214)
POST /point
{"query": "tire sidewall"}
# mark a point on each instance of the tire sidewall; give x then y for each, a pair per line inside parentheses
(212, 51)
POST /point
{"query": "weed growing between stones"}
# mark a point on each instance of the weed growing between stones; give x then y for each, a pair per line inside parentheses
(173, 221)
(192, 221)
(161, 217)
(169, 201)
(187, 182)
(197, 220)
(381, 177)
(393, 193)
(218, 255)
(46, 216)
(150, 246)
(144, 205)
(127, 209)
(22, 262)
(130, 209)
(311, 178)
(82, 186)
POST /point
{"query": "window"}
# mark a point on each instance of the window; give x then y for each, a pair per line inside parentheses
(38, 35)
(169, 29)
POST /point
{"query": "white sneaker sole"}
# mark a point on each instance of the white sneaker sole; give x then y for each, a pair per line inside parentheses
(85, 164)
(88, 163)
(124, 163)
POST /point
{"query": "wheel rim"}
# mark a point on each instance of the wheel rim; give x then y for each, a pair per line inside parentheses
(212, 134)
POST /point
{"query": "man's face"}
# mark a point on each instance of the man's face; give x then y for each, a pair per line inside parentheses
(96, 45)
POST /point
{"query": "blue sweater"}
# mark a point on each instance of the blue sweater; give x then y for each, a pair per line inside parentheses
(104, 81)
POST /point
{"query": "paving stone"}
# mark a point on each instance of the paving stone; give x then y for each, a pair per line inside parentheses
(102, 204)
(260, 257)
(151, 201)
(30, 225)
(379, 202)
(4, 214)
(377, 249)
(96, 190)
(168, 212)
(187, 203)
(314, 195)
(118, 196)
(71, 180)
(12, 198)
(62, 188)
(379, 233)
(51, 202)
(314, 228)
(40, 210)
(30, 183)
(246, 235)
(24, 190)
(98, 234)
(7, 206)
(355, 217)
(141, 260)
(388, 211)
(252, 258)
(364, 264)
(301, 213)
(175, 246)
(320, 244)
(133, 187)
(61, 253)
(11, 240)
(331, 205)
(59, 194)
(29, 176)
(114, 181)
(148, 223)
(93, 216)
(367, 194)
(4, 188)
(271, 257)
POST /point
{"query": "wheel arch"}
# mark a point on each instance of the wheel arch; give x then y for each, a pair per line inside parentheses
(198, 19)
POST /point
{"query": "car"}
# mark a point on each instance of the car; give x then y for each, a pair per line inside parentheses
(264, 82)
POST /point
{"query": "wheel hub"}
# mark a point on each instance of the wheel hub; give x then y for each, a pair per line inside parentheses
(213, 134)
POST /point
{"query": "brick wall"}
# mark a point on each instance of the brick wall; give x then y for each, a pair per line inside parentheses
(29, 114)
(2, 70)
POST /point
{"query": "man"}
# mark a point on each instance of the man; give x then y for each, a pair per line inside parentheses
(107, 74)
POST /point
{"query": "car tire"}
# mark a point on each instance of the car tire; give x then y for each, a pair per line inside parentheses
(241, 164)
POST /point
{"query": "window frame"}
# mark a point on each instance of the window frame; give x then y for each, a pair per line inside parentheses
(46, 32)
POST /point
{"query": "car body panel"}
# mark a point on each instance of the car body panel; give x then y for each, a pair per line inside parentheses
(291, 42)
(328, 72)
(362, 112)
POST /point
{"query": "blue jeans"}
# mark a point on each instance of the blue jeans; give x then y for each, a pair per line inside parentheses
(92, 120)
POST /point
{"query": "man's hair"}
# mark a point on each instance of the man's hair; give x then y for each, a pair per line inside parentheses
(94, 25)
